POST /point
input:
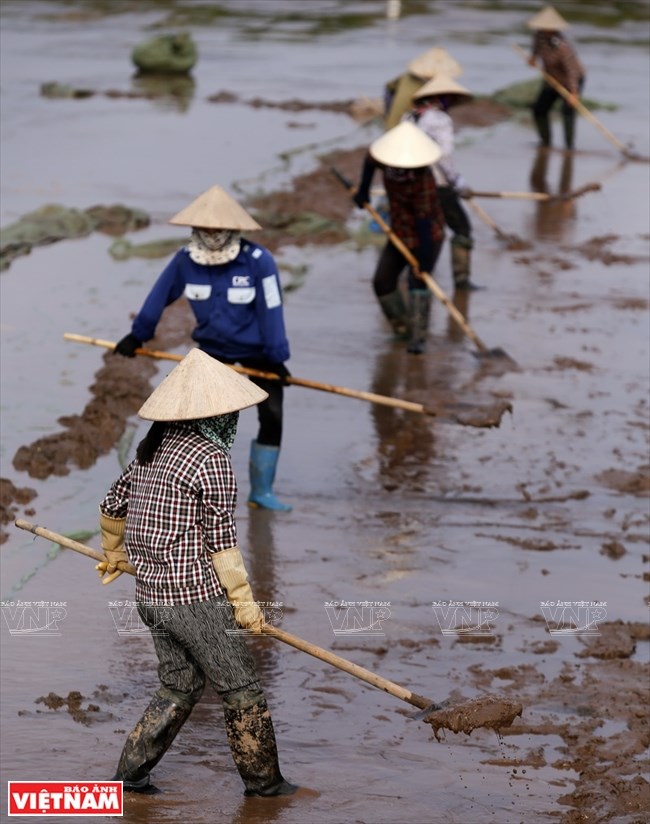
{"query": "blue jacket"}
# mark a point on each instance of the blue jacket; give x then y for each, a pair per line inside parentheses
(237, 305)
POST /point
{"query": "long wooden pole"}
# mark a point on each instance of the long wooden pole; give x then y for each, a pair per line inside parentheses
(63, 540)
(370, 397)
(588, 187)
(455, 314)
(413, 263)
(328, 657)
(352, 669)
(485, 217)
(512, 195)
(572, 100)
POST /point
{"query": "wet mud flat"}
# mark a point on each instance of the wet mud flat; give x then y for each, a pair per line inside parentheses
(574, 755)
(121, 387)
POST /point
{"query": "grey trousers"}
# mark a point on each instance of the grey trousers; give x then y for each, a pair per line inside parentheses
(192, 643)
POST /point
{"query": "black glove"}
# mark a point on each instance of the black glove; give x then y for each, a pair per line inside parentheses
(362, 194)
(281, 371)
(263, 365)
(425, 248)
(127, 346)
(360, 198)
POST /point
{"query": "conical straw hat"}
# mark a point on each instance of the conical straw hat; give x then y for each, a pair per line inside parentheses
(215, 209)
(548, 19)
(405, 147)
(441, 84)
(432, 62)
(200, 387)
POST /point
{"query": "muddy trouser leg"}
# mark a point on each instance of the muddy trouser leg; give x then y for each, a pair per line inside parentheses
(207, 631)
(569, 123)
(569, 120)
(182, 683)
(461, 243)
(420, 308)
(385, 284)
(541, 108)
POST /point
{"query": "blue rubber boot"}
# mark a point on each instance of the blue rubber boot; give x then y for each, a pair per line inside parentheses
(261, 471)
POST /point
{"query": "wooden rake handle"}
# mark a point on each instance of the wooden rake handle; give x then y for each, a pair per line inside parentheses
(413, 263)
(63, 540)
(430, 282)
(328, 657)
(355, 670)
(370, 397)
(572, 100)
(542, 196)
(485, 217)
(512, 195)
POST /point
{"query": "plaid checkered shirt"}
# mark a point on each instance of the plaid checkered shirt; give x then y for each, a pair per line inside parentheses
(412, 195)
(560, 60)
(179, 510)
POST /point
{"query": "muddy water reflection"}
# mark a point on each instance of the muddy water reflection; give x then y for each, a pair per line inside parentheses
(554, 220)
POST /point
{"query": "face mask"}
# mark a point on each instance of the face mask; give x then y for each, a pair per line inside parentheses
(220, 429)
(214, 247)
(215, 240)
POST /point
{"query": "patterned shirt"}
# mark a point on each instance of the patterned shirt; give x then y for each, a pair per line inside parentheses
(412, 196)
(179, 510)
(559, 60)
(439, 126)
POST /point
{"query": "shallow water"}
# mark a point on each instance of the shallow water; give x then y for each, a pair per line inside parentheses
(388, 506)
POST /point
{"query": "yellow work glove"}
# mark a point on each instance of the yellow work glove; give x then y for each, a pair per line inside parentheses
(115, 559)
(232, 575)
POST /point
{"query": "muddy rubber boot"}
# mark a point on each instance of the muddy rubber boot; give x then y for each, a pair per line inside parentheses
(543, 129)
(150, 739)
(394, 309)
(419, 311)
(569, 122)
(252, 743)
(261, 471)
(461, 248)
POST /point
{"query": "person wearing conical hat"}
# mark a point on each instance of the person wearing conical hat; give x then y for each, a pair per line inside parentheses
(233, 288)
(430, 112)
(405, 154)
(560, 61)
(398, 93)
(170, 516)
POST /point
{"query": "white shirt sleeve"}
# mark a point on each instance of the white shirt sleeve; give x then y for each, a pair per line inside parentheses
(439, 126)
